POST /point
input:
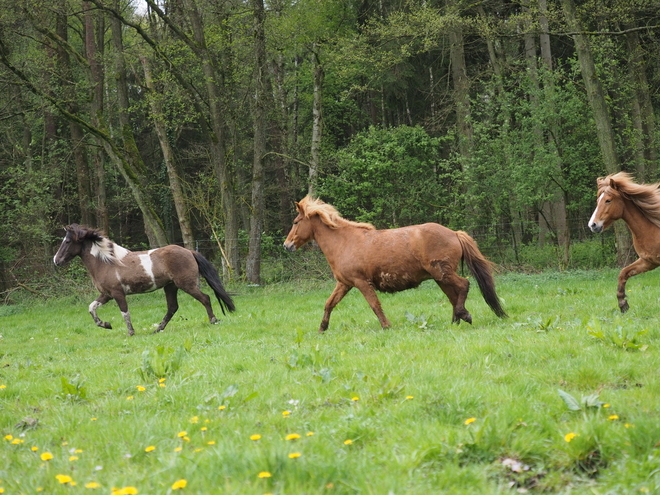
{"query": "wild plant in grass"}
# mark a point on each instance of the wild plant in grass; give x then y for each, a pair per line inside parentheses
(161, 362)
(73, 390)
(619, 336)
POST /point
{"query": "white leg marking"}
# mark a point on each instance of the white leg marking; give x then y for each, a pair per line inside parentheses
(93, 306)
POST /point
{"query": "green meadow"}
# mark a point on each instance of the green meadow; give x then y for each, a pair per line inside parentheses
(561, 397)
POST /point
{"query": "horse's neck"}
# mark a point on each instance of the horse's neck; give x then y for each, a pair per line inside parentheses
(327, 238)
(637, 222)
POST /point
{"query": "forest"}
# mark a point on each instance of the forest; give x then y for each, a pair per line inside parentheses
(201, 122)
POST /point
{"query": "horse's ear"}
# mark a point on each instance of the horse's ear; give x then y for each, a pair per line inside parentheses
(297, 205)
(613, 184)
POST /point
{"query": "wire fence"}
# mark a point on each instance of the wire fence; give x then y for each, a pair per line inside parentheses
(512, 247)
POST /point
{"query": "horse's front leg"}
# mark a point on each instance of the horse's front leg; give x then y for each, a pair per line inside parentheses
(120, 297)
(639, 266)
(98, 302)
(337, 295)
(372, 298)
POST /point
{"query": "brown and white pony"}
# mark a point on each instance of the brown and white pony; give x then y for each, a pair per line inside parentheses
(619, 197)
(116, 272)
(391, 260)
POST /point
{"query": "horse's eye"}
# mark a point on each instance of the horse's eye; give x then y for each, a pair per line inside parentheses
(608, 201)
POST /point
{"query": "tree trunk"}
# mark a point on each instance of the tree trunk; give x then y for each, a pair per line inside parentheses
(461, 91)
(214, 82)
(178, 195)
(317, 119)
(131, 165)
(604, 130)
(253, 263)
(94, 37)
(77, 137)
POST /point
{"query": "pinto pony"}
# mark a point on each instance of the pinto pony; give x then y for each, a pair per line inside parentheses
(619, 197)
(116, 272)
(391, 260)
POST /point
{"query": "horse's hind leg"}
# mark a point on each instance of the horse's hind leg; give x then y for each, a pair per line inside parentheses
(639, 266)
(99, 301)
(172, 305)
(194, 291)
(456, 289)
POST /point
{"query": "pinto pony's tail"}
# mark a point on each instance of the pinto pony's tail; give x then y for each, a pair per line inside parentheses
(208, 271)
(482, 270)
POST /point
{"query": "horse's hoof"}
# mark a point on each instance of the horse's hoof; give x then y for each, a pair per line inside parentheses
(214, 320)
(107, 325)
(624, 307)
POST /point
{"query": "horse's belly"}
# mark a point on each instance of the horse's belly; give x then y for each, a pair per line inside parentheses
(386, 281)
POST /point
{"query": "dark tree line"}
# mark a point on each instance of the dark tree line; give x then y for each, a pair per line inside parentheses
(169, 121)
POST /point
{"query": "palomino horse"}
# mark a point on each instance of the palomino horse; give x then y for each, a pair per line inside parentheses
(391, 260)
(639, 206)
(116, 272)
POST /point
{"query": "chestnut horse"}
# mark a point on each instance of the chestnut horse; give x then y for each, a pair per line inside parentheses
(639, 206)
(391, 260)
(116, 272)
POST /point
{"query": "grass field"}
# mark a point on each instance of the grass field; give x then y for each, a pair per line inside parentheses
(261, 403)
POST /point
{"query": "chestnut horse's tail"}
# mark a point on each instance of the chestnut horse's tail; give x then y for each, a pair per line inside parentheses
(208, 271)
(482, 270)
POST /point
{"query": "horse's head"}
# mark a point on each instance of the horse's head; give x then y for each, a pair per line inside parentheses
(72, 244)
(609, 206)
(301, 231)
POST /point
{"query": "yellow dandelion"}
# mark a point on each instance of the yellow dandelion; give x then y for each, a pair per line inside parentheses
(212, 442)
(73, 458)
(570, 436)
(629, 425)
(286, 413)
(198, 450)
(292, 436)
(178, 449)
(203, 428)
(182, 434)
(469, 421)
(17, 441)
(256, 436)
(2, 490)
(222, 407)
(162, 385)
(151, 448)
(92, 485)
(186, 439)
(409, 397)
(177, 485)
(93, 419)
(130, 397)
(162, 380)
(606, 405)
(613, 417)
(78, 451)
(264, 474)
(348, 442)
(3, 386)
(65, 443)
(194, 419)
(140, 388)
(64, 479)
(34, 449)
(294, 455)
(355, 399)
(309, 433)
(46, 456)
(127, 490)
(9, 437)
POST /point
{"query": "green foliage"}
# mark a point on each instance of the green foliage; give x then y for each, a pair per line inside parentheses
(586, 403)
(391, 177)
(618, 336)
(161, 362)
(73, 390)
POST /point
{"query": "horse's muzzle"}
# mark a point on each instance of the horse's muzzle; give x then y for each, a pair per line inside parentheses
(290, 246)
(596, 228)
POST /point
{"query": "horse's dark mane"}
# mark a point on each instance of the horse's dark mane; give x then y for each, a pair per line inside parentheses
(328, 214)
(102, 247)
(645, 196)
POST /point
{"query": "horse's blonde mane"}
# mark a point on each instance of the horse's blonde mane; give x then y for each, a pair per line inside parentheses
(328, 214)
(645, 196)
(102, 247)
